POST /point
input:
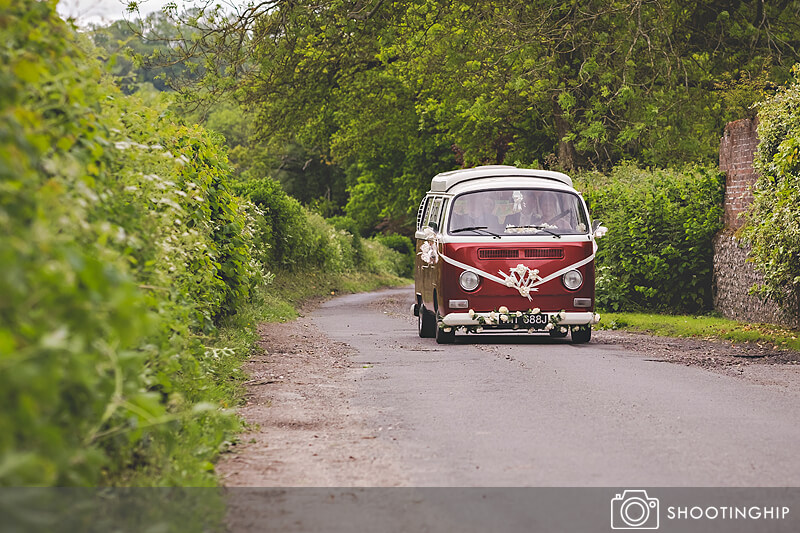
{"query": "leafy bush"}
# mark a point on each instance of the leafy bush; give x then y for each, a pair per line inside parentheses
(383, 260)
(120, 245)
(402, 245)
(773, 222)
(658, 252)
(350, 226)
(285, 222)
(301, 240)
(122, 249)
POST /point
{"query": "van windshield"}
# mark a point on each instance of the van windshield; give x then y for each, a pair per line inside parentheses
(518, 211)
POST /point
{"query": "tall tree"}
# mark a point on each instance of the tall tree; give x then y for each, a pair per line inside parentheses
(391, 92)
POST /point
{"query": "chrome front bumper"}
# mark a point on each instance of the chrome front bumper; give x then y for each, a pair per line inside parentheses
(495, 319)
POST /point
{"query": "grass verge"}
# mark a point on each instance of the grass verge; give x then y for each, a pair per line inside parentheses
(703, 326)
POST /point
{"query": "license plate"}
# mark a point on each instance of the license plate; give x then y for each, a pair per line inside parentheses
(531, 321)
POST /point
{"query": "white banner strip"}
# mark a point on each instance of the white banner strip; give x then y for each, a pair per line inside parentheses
(501, 281)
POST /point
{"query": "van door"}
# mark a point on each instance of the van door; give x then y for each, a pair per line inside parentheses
(425, 275)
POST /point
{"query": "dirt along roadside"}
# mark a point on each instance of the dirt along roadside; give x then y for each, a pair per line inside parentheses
(304, 429)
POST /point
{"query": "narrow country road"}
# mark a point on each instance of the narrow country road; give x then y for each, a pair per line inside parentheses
(350, 396)
(533, 411)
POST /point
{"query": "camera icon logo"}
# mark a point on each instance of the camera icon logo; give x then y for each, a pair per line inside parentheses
(633, 509)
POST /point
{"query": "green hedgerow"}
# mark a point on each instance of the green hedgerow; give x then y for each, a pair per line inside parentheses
(657, 253)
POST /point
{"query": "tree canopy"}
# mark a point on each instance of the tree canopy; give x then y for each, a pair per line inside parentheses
(385, 94)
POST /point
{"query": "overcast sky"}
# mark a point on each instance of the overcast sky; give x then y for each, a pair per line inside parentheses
(104, 11)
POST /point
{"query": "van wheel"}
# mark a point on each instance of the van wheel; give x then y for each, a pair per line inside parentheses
(581, 336)
(426, 323)
(445, 337)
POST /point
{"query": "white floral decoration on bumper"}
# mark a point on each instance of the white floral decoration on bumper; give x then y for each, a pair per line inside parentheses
(522, 278)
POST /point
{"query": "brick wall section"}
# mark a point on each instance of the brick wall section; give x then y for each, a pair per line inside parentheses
(736, 151)
(733, 275)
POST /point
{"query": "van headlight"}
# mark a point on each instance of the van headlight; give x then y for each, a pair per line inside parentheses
(469, 280)
(572, 280)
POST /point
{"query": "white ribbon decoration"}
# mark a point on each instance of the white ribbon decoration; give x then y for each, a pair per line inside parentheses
(518, 203)
(524, 285)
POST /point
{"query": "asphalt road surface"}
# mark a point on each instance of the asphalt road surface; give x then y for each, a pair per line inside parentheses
(500, 411)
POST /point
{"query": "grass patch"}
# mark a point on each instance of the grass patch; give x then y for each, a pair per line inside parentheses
(703, 326)
(290, 289)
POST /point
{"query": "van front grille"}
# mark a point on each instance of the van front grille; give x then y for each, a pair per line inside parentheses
(544, 253)
(498, 253)
(527, 253)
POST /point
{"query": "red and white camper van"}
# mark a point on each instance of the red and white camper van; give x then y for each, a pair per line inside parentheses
(506, 249)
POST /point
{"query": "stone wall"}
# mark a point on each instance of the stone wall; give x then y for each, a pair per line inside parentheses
(733, 275)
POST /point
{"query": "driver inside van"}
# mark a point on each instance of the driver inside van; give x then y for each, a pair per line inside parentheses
(551, 213)
(474, 210)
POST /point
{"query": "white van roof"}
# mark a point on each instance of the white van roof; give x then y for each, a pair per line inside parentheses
(447, 180)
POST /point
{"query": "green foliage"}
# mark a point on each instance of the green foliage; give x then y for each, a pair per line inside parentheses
(773, 222)
(121, 247)
(402, 245)
(124, 44)
(658, 252)
(300, 240)
(360, 106)
(284, 230)
(123, 251)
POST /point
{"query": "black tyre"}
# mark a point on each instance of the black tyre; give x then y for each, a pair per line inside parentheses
(426, 323)
(582, 335)
(445, 337)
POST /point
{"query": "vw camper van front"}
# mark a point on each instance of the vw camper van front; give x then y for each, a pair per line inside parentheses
(504, 249)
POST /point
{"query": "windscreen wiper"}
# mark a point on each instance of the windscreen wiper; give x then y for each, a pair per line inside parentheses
(539, 227)
(476, 228)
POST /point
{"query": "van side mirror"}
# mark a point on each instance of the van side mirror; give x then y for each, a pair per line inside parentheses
(598, 230)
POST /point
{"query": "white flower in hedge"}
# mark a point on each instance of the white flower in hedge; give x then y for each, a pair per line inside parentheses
(447, 329)
(519, 314)
(478, 329)
(472, 313)
(549, 326)
(531, 331)
(595, 318)
(503, 318)
(563, 329)
(503, 309)
(536, 311)
(493, 317)
(562, 315)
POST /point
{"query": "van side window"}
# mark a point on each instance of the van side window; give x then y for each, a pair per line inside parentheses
(422, 213)
(442, 212)
(435, 213)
